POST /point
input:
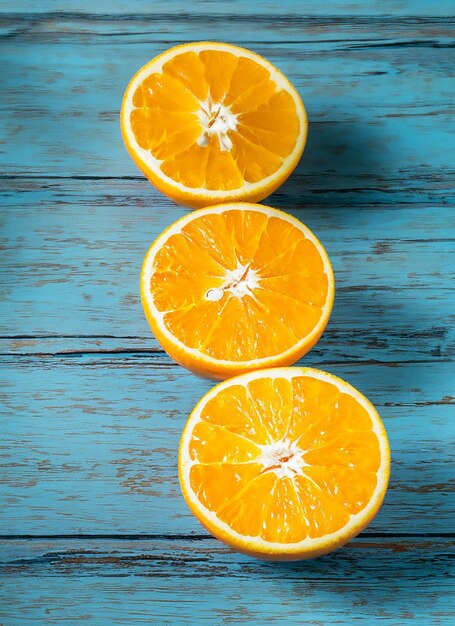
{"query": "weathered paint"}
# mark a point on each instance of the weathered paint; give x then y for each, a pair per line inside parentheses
(92, 409)
(373, 98)
(272, 8)
(110, 464)
(163, 581)
(75, 248)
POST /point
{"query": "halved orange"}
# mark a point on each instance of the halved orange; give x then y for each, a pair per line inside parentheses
(211, 122)
(236, 287)
(284, 464)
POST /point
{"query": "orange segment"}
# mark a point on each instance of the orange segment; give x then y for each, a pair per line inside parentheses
(253, 168)
(231, 288)
(212, 122)
(219, 66)
(215, 444)
(287, 463)
(229, 413)
(189, 69)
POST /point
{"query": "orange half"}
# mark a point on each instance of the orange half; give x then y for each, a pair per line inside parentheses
(284, 464)
(211, 122)
(236, 287)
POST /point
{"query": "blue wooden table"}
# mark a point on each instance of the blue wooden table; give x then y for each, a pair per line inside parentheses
(93, 526)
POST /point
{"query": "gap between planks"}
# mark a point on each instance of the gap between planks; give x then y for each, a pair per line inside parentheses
(159, 358)
(194, 537)
(159, 353)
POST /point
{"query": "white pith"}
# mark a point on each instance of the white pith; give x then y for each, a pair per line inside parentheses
(158, 316)
(284, 458)
(239, 282)
(269, 455)
(150, 162)
(216, 119)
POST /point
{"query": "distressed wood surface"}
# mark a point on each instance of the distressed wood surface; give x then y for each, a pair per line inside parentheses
(75, 250)
(293, 8)
(374, 90)
(93, 526)
(372, 581)
(110, 464)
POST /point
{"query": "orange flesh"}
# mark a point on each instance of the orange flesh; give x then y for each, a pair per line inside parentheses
(169, 120)
(320, 468)
(281, 272)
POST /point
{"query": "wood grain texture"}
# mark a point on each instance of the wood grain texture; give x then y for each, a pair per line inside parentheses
(94, 448)
(74, 250)
(375, 91)
(270, 9)
(92, 409)
(201, 582)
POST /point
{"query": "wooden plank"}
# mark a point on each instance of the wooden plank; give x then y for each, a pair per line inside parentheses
(89, 443)
(92, 409)
(352, 343)
(352, 9)
(241, 7)
(300, 27)
(363, 92)
(74, 250)
(100, 582)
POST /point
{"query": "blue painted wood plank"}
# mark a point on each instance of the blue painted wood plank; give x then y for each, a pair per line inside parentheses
(75, 250)
(69, 27)
(370, 118)
(93, 410)
(371, 581)
(352, 9)
(89, 443)
(91, 423)
(63, 277)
